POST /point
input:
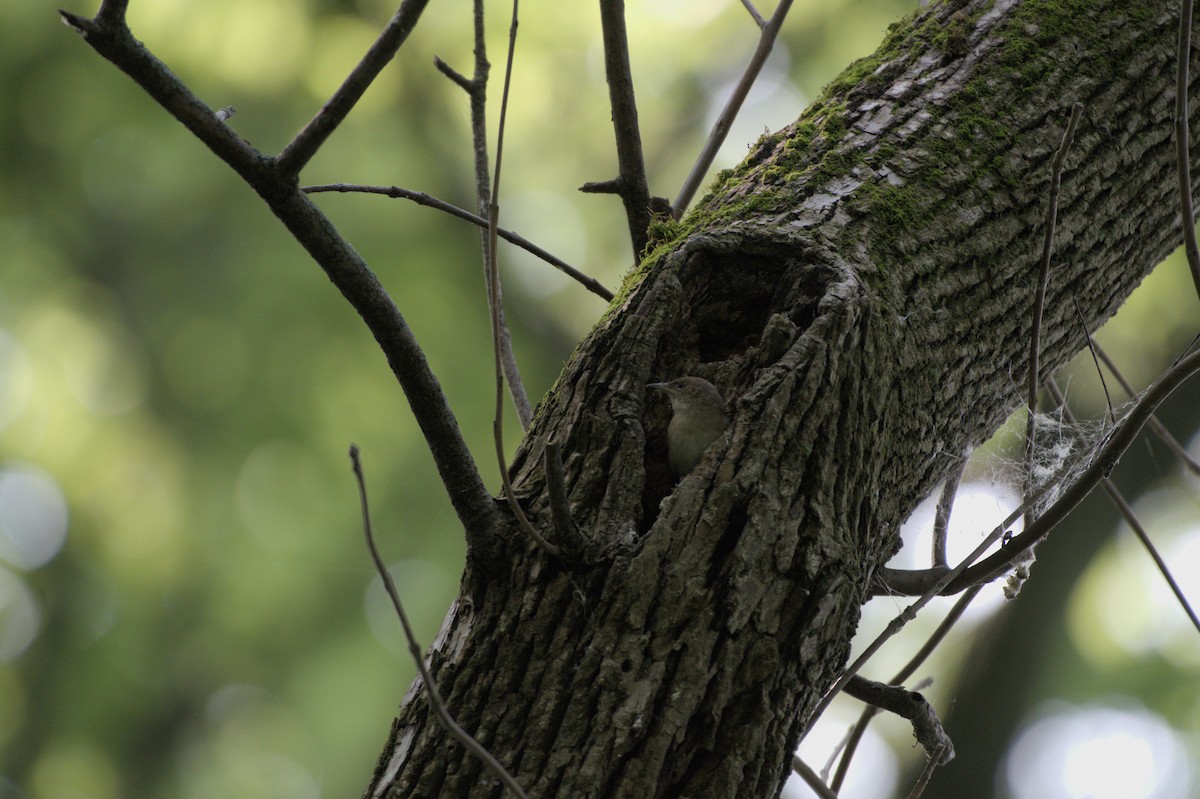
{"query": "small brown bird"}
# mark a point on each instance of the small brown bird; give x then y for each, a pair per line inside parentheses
(697, 418)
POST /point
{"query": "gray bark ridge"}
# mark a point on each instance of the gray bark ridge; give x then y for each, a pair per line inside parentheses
(860, 290)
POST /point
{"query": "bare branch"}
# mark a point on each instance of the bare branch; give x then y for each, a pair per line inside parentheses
(907, 582)
(758, 18)
(476, 89)
(907, 671)
(1158, 427)
(935, 760)
(1182, 143)
(1091, 345)
(499, 329)
(708, 153)
(459, 79)
(634, 191)
(344, 267)
(908, 705)
(1118, 500)
(108, 36)
(505, 358)
(429, 201)
(941, 517)
(601, 187)
(305, 144)
(435, 697)
(811, 778)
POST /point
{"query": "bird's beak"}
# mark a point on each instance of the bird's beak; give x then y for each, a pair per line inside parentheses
(659, 386)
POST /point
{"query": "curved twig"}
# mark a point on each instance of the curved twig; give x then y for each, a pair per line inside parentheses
(910, 705)
(435, 697)
(504, 350)
(811, 778)
(499, 331)
(429, 201)
(1118, 499)
(941, 517)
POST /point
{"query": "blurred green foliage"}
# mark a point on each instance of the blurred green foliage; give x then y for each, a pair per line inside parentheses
(179, 383)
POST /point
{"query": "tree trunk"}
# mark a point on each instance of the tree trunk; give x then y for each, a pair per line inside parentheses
(861, 290)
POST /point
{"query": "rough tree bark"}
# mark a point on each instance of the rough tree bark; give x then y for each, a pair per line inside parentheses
(860, 288)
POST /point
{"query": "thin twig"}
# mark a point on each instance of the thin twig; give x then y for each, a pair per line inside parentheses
(758, 18)
(1183, 55)
(435, 697)
(932, 763)
(493, 271)
(1035, 334)
(422, 198)
(1118, 499)
(476, 90)
(943, 629)
(499, 331)
(1091, 345)
(634, 190)
(708, 153)
(461, 80)
(811, 777)
(300, 150)
(1158, 427)
(941, 517)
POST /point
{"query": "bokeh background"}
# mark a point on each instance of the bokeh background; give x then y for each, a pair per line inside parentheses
(186, 605)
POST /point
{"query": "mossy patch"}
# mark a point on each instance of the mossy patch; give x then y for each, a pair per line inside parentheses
(964, 146)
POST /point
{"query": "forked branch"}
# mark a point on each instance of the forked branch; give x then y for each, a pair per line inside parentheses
(108, 36)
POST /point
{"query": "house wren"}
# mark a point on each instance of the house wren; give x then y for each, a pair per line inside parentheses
(697, 418)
